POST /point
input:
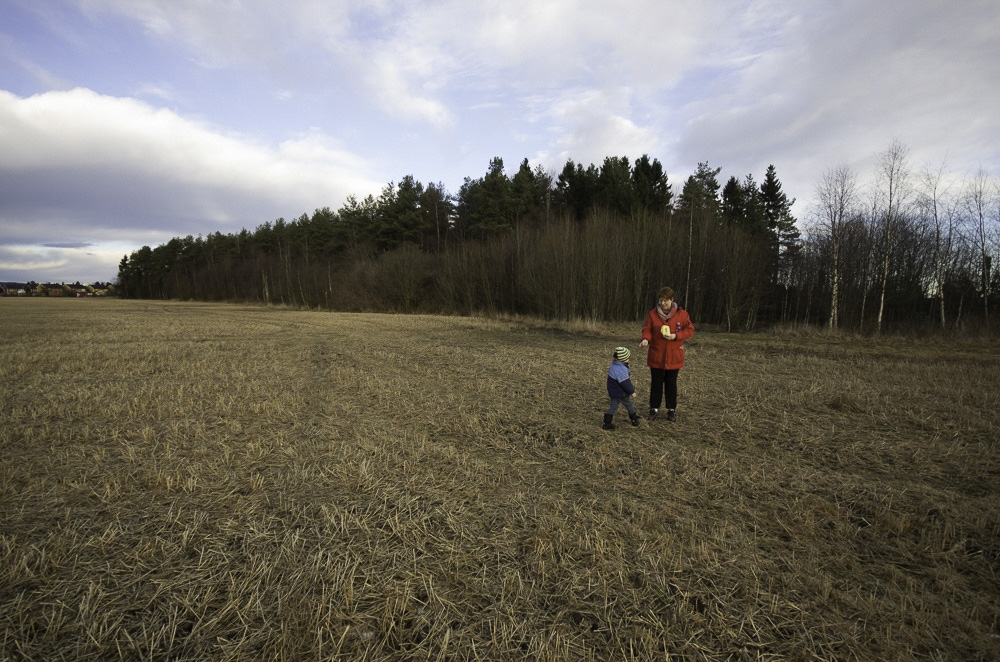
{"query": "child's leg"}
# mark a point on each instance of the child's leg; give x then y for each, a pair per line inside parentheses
(632, 414)
(610, 414)
(630, 407)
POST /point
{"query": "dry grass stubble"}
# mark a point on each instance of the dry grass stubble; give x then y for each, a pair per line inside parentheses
(200, 481)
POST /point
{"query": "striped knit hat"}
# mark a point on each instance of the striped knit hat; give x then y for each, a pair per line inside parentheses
(622, 354)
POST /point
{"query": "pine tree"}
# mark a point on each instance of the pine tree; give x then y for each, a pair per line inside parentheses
(699, 207)
(733, 202)
(650, 187)
(615, 185)
(576, 188)
(780, 222)
(485, 206)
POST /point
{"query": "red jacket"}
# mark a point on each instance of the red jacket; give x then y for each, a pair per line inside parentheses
(667, 354)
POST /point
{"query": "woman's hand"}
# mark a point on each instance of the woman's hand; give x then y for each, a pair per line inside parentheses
(643, 343)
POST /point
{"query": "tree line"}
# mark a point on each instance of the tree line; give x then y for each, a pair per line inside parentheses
(913, 246)
(596, 242)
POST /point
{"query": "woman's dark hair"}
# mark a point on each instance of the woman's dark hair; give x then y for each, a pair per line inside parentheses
(665, 293)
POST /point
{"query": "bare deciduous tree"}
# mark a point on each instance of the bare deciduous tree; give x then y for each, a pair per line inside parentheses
(835, 196)
(869, 219)
(936, 209)
(893, 180)
(979, 205)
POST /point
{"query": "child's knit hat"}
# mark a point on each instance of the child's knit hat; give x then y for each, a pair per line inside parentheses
(622, 354)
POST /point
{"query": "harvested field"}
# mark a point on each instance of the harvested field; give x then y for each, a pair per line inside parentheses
(191, 481)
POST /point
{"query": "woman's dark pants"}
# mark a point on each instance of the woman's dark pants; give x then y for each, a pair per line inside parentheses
(658, 379)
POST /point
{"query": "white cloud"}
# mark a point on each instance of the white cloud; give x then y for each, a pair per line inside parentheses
(80, 129)
(83, 164)
(223, 34)
(588, 125)
(90, 263)
(837, 83)
(392, 76)
(31, 259)
(162, 92)
(414, 59)
(762, 68)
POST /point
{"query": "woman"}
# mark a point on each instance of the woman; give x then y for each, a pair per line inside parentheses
(667, 327)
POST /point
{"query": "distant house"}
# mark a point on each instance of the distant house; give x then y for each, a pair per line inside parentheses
(13, 289)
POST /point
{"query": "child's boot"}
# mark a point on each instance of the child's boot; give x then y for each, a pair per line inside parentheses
(608, 425)
(635, 419)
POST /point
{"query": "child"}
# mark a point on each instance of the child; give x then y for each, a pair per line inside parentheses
(620, 389)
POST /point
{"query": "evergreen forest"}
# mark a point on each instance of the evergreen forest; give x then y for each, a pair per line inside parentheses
(909, 249)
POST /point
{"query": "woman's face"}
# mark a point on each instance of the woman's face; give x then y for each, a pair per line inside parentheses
(666, 303)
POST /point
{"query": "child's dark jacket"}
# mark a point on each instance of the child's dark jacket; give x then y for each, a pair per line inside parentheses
(619, 381)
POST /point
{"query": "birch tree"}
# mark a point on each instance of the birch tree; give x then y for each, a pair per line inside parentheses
(893, 180)
(934, 207)
(978, 204)
(835, 196)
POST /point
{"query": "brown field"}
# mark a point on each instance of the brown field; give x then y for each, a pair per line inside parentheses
(217, 482)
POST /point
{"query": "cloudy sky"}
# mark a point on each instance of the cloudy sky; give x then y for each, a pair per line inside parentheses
(125, 123)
